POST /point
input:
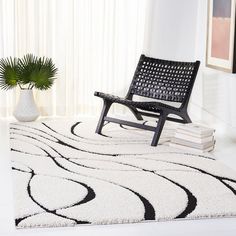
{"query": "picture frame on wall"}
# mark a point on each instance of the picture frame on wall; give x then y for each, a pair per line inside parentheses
(221, 44)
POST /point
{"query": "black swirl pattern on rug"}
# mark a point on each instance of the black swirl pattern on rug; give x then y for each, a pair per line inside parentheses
(89, 197)
(72, 130)
(149, 213)
(57, 140)
(49, 141)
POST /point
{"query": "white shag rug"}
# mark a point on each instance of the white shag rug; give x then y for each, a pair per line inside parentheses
(64, 175)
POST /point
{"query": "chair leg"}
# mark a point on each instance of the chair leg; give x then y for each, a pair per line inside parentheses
(187, 118)
(136, 113)
(105, 109)
(160, 125)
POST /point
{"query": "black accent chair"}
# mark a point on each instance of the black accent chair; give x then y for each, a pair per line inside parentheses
(156, 79)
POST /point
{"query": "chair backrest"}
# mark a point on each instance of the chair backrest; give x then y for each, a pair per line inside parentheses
(164, 80)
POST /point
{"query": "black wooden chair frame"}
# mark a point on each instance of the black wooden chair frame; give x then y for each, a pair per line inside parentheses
(178, 77)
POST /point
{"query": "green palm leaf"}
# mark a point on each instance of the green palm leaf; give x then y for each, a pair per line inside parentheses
(9, 73)
(44, 74)
(38, 72)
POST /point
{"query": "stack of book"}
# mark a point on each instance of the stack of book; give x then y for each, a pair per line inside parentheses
(193, 137)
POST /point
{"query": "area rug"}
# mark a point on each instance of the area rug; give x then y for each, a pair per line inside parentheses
(65, 175)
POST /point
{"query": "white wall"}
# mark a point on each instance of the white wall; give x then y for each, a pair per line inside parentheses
(177, 30)
(170, 34)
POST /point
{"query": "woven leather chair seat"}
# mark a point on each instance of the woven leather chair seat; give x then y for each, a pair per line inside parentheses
(148, 106)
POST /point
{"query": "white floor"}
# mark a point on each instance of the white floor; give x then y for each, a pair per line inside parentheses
(225, 152)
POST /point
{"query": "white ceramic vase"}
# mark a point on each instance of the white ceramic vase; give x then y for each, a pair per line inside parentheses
(26, 109)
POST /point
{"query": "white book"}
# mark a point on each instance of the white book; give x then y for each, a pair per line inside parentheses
(189, 133)
(190, 149)
(188, 143)
(192, 138)
(196, 129)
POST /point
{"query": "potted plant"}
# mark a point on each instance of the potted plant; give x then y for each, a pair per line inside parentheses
(28, 73)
